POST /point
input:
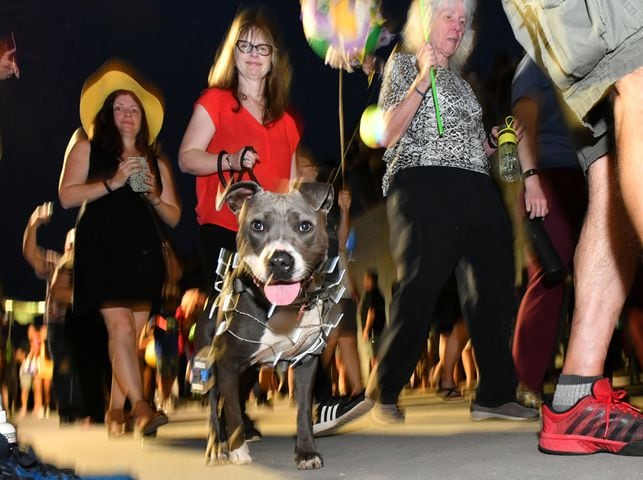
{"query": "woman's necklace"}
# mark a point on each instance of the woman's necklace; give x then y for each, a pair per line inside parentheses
(258, 101)
(255, 106)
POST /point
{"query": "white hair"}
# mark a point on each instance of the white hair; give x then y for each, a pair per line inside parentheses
(415, 32)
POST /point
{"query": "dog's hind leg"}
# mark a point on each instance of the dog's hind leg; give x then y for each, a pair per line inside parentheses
(228, 378)
(306, 455)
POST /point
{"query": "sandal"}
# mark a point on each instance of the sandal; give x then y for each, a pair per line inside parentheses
(115, 422)
(147, 420)
(449, 393)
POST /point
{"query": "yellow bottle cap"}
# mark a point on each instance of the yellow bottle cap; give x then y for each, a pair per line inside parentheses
(507, 134)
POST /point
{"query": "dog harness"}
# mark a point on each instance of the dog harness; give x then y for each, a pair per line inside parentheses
(297, 332)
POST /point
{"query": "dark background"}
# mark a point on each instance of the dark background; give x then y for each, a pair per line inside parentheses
(172, 43)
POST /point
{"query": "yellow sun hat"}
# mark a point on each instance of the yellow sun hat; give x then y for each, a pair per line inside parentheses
(112, 76)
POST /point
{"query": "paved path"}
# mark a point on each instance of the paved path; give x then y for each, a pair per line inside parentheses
(438, 441)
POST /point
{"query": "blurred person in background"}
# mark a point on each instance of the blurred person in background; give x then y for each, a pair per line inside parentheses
(45, 263)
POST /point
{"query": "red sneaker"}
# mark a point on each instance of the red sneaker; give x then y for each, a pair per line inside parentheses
(601, 422)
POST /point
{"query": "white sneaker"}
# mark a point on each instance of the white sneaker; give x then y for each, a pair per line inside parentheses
(388, 414)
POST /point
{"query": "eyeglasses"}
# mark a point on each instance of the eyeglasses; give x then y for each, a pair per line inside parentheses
(121, 109)
(263, 49)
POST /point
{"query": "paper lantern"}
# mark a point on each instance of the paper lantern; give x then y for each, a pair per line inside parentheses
(371, 126)
(342, 32)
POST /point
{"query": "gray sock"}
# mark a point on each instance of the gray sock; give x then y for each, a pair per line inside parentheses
(570, 389)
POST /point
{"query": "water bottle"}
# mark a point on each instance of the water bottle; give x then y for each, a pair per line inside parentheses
(6, 429)
(554, 271)
(508, 152)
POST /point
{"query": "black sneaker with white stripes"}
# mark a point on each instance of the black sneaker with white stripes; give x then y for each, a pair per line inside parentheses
(331, 415)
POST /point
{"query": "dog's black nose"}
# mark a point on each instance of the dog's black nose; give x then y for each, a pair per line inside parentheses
(281, 264)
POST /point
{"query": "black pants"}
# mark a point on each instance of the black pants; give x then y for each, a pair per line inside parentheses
(64, 380)
(212, 238)
(442, 219)
(88, 339)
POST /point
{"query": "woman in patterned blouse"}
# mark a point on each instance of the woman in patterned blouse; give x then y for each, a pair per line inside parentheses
(444, 212)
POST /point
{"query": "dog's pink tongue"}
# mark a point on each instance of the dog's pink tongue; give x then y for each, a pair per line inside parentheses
(282, 294)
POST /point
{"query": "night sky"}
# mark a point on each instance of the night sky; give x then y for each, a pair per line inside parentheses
(172, 43)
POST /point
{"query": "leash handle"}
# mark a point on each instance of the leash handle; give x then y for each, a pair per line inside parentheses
(222, 179)
(243, 170)
(221, 192)
(239, 177)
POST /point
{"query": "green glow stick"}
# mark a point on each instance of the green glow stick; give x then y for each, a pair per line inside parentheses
(434, 88)
(436, 104)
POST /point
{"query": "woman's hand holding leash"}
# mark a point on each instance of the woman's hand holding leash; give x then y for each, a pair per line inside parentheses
(246, 158)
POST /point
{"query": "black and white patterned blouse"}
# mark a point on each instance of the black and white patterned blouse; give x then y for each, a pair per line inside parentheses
(462, 143)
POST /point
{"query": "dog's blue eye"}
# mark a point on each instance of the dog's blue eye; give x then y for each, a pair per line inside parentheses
(257, 226)
(305, 227)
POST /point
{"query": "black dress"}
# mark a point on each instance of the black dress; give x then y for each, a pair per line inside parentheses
(117, 248)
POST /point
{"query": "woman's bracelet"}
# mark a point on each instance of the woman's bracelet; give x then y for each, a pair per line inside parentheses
(107, 187)
(492, 143)
(223, 155)
(419, 92)
(528, 173)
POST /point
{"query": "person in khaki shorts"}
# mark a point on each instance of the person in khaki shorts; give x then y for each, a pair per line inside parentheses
(593, 52)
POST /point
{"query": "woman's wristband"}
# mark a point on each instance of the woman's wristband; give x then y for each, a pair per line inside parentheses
(107, 187)
(419, 92)
(223, 155)
(492, 143)
(528, 173)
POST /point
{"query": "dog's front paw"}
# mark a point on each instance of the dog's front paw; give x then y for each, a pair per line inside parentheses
(240, 456)
(216, 453)
(308, 460)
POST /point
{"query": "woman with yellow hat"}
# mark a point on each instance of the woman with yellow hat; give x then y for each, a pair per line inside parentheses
(127, 191)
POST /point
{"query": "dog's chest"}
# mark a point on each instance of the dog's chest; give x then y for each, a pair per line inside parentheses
(277, 346)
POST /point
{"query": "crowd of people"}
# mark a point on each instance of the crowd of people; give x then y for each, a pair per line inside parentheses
(451, 235)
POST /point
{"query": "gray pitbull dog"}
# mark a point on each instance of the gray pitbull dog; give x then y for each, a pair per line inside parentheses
(273, 307)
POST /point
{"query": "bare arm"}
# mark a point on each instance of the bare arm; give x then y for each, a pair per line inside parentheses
(370, 318)
(344, 226)
(33, 253)
(527, 112)
(73, 189)
(293, 167)
(398, 118)
(167, 205)
(193, 157)
(488, 148)
(7, 66)
(61, 283)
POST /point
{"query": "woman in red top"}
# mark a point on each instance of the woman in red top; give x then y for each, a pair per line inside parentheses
(244, 106)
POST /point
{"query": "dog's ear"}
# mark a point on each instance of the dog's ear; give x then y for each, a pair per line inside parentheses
(239, 192)
(318, 195)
